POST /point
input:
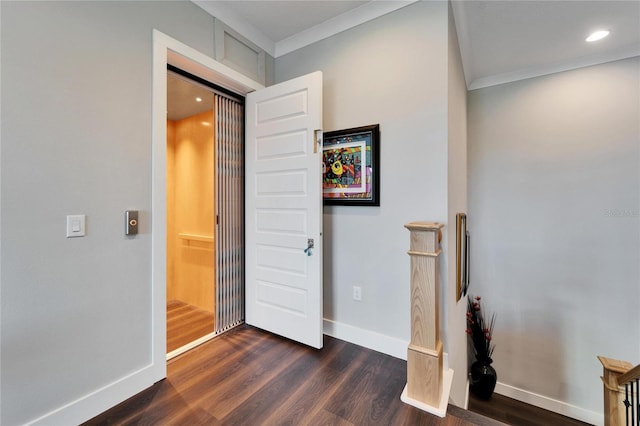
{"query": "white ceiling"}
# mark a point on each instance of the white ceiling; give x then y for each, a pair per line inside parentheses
(504, 41)
(279, 20)
(500, 41)
(280, 27)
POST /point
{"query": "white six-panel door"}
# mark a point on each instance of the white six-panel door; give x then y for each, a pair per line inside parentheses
(284, 209)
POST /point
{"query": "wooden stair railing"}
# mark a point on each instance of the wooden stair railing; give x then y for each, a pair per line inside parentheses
(621, 392)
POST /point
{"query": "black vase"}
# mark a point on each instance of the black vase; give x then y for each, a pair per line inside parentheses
(483, 379)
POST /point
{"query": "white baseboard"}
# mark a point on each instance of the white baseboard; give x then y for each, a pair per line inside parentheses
(369, 339)
(108, 396)
(90, 405)
(398, 349)
(550, 404)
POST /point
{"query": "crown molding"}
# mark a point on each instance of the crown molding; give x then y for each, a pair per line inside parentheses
(539, 71)
(338, 24)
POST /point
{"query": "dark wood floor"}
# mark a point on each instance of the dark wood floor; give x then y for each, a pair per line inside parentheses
(518, 413)
(249, 377)
(186, 323)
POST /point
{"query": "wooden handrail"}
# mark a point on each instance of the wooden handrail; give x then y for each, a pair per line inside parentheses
(615, 374)
(630, 375)
(195, 237)
(614, 365)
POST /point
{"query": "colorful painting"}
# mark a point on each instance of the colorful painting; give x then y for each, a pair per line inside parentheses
(350, 172)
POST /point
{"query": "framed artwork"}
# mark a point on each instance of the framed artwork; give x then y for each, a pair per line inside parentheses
(462, 256)
(351, 167)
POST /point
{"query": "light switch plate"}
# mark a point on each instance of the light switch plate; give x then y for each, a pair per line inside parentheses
(76, 225)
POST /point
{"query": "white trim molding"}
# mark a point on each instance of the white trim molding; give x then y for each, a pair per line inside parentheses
(585, 61)
(354, 17)
(369, 339)
(550, 404)
(0, 221)
(398, 348)
(99, 400)
(338, 24)
(388, 345)
(167, 50)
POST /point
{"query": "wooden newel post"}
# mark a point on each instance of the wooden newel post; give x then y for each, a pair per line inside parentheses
(424, 355)
(614, 409)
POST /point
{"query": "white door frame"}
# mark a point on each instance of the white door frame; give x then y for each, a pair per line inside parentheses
(167, 50)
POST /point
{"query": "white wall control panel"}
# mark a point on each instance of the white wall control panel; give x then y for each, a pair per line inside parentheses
(76, 225)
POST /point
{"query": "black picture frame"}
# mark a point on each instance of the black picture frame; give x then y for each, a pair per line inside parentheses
(463, 264)
(351, 166)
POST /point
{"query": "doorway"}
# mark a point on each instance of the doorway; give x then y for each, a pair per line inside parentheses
(205, 197)
(169, 51)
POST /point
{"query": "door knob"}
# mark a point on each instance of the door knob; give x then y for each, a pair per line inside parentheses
(309, 246)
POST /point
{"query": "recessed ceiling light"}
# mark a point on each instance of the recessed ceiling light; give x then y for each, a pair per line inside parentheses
(597, 35)
(198, 99)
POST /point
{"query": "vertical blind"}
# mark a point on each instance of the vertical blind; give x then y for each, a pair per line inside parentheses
(229, 156)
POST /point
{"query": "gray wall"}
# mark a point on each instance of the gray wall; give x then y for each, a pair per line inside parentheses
(76, 139)
(554, 206)
(391, 71)
(404, 72)
(553, 179)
